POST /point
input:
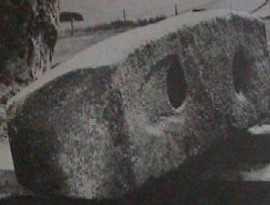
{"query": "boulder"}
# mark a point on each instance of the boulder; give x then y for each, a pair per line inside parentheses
(140, 104)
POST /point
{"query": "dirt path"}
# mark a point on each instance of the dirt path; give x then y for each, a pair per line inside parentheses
(68, 47)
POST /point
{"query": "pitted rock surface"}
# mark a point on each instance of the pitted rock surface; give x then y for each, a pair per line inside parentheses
(119, 114)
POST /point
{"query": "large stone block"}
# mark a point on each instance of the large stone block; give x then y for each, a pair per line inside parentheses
(140, 104)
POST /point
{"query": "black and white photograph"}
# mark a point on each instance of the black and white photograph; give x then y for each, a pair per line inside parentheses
(134, 102)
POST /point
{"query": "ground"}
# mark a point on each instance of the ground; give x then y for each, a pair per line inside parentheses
(67, 47)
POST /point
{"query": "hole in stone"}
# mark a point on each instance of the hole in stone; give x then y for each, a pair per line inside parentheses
(241, 72)
(176, 84)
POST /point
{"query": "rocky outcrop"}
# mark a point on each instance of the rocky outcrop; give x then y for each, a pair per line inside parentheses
(139, 105)
(27, 38)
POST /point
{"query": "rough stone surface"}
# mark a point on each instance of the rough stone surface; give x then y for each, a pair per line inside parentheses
(9, 185)
(102, 131)
(27, 38)
(3, 124)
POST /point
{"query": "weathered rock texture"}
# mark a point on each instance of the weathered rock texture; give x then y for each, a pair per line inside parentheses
(9, 185)
(140, 104)
(27, 38)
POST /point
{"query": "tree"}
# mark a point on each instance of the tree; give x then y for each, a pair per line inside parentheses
(70, 17)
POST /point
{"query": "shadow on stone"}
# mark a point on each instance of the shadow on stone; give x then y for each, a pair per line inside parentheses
(186, 184)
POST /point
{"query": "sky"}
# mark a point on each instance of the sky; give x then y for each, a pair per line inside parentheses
(99, 11)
